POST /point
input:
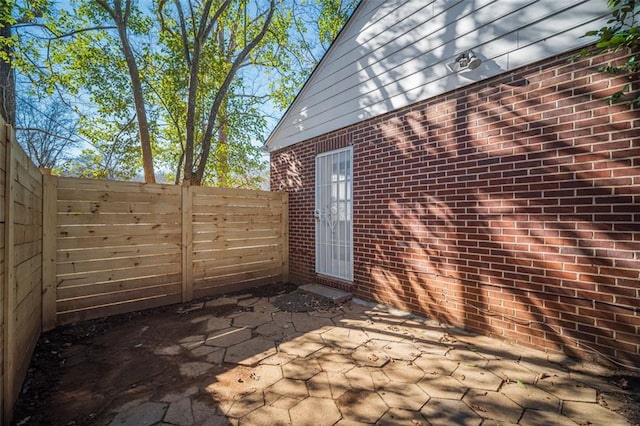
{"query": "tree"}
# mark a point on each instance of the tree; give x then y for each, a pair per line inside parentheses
(121, 14)
(622, 33)
(47, 135)
(12, 13)
(181, 78)
(215, 29)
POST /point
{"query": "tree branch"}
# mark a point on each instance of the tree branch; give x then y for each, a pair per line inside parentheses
(222, 92)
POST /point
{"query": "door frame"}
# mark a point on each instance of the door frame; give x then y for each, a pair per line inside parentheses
(349, 203)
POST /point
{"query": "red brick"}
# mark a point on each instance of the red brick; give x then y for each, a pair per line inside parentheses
(530, 213)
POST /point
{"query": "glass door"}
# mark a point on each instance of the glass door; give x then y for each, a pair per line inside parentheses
(333, 213)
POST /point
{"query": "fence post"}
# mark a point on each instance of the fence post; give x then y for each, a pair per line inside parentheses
(9, 279)
(49, 258)
(187, 243)
(285, 237)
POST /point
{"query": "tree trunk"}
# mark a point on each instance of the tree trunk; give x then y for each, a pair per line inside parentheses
(7, 80)
(138, 100)
(222, 153)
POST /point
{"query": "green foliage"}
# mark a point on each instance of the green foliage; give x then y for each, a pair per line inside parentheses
(622, 33)
(76, 50)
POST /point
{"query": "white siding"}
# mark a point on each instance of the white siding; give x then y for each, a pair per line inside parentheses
(394, 53)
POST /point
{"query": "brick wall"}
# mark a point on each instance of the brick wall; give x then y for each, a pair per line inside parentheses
(510, 207)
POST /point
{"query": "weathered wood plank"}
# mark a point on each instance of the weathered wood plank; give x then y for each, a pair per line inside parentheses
(99, 253)
(26, 233)
(203, 191)
(116, 218)
(187, 243)
(28, 276)
(238, 210)
(238, 233)
(67, 206)
(204, 289)
(49, 227)
(235, 227)
(221, 254)
(285, 237)
(116, 308)
(223, 243)
(112, 286)
(211, 269)
(10, 362)
(238, 220)
(273, 256)
(95, 196)
(26, 251)
(118, 240)
(110, 186)
(100, 265)
(101, 299)
(140, 272)
(201, 204)
(67, 231)
(236, 277)
(246, 255)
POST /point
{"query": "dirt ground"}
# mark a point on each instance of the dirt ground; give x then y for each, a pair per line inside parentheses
(98, 373)
(79, 372)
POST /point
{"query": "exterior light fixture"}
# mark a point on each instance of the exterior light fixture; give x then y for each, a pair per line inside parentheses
(465, 61)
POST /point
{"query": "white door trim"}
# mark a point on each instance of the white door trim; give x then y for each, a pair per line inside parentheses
(334, 213)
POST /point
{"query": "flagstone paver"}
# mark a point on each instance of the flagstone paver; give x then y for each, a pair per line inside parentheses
(476, 377)
(301, 368)
(251, 351)
(541, 417)
(315, 411)
(251, 319)
(215, 324)
(403, 395)
(403, 371)
(398, 416)
(290, 388)
(584, 413)
(145, 414)
(228, 337)
(567, 389)
(194, 369)
(434, 364)
(362, 406)
(360, 378)
(438, 386)
(447, 412)
(266, 416)
(344, 337)
(319, 386)
(530, 396)
(402, 351)
(179, 413)
(303, 345)
(358, 365)
(511, 371)
(245, 405)
(493, 405)
(365, 355)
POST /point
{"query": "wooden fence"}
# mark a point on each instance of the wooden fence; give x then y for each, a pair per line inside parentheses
(20, 265)
(74, 249)
(125, 246)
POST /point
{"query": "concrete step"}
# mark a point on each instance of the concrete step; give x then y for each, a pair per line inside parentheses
(324, 292)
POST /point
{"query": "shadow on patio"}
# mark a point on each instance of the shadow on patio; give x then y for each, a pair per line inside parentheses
(242, 360)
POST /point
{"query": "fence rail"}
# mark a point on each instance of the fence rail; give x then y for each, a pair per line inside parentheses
(74, 249)
(21, 264)
(125, 246)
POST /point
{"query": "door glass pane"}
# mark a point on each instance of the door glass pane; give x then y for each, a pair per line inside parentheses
(334, 214)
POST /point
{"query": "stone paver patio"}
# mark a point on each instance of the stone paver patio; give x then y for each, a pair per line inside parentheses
(359, 365)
